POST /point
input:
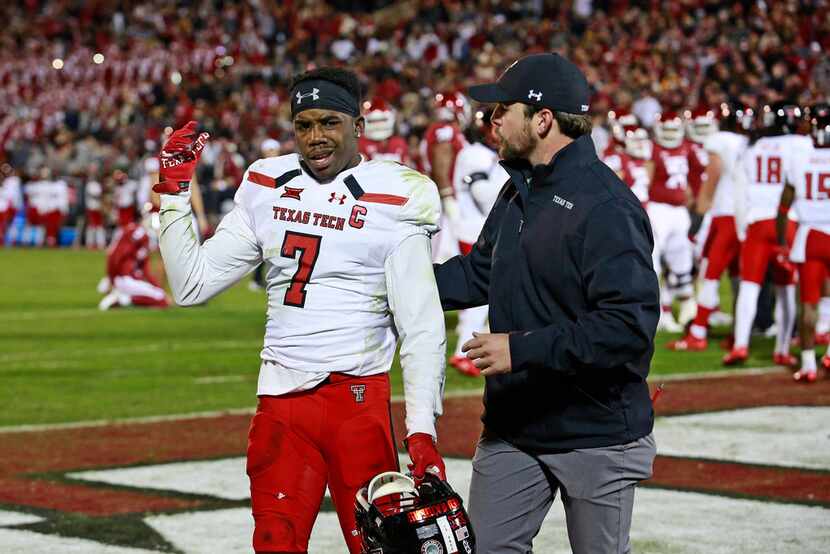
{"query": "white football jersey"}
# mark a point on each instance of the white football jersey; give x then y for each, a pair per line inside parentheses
(811, 179)
(766, 165)
(348, 271)
(93, 192)
(10, 194)
(37, 195)
(124, 195)
(729, 147)
(477, 180)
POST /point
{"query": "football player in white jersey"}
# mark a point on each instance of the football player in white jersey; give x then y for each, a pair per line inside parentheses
(347, 247)
(718, 234)
(767, 164)
(477, 179)
(808, 190)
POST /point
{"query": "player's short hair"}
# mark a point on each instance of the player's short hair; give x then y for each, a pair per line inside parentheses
(339, 76)
(570, 124)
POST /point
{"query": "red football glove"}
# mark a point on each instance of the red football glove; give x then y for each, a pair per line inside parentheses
(424, 456)
(782, 258)
(178, 159)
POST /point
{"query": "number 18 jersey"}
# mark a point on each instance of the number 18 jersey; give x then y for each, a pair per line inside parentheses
(766, 164)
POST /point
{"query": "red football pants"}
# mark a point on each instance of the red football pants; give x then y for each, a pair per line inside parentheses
(816, 267)
(757, 251)
(340, 434)
(722, 246)
(126, 216)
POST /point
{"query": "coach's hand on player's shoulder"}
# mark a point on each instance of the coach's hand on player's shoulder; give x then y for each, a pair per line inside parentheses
(178, 159)
(490, 352)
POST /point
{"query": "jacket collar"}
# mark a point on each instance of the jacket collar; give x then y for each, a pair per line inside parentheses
(578, 153)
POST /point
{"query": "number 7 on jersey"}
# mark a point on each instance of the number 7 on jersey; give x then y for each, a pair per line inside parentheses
(309, 247)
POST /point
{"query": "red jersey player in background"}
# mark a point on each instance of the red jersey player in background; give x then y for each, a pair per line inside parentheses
(808, 190)
(700, 124)
(378, 141)
(768, 165)
(669, 198)
(129, 280)
(629, 153)
(442, 142)
(718, 235)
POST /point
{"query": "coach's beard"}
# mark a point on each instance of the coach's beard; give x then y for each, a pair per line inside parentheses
(522, 147)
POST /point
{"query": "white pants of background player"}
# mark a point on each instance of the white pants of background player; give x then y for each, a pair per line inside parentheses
(670, 225)
(467, 229)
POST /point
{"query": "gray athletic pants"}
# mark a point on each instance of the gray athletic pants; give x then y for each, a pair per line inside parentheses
(511, 492)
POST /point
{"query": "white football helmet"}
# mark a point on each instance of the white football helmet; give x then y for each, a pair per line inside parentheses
(380, 119)
(700, 123)
(637, 143)
(668, 130)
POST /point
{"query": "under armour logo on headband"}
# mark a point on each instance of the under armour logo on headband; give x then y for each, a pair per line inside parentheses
(314, 95)
(533, 95)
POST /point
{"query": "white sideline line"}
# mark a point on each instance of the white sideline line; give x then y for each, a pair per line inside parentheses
(395, 398)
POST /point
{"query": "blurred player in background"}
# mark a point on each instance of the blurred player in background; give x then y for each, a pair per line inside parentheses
(477, 180)
(700, 124)
(36, 193)
(808, 190)
(347, 247)
(129, 280)
(95, 235)
(629, 153)
(442, 142)
(55, 209)
(718, 235)
(125, 198)
(669, 198)
(11, 198)
(379, 142)
(767, 166)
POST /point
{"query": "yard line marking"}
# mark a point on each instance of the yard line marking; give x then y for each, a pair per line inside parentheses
(218, 379)
(42, 357)
(51, 314)
(716, 373)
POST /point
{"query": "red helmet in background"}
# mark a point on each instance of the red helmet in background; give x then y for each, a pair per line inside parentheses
(380, 119)
(668, 129)
(453, 106)
(700, 123)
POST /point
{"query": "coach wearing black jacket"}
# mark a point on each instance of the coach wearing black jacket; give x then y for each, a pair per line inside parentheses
(564, 261)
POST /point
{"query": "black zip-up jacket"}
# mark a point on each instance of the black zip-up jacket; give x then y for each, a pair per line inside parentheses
(564, 261)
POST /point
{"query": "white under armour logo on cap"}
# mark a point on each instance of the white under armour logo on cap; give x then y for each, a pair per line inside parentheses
(533, 95)
(314, 95)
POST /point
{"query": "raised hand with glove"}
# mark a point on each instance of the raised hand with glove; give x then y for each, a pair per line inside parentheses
(178, 159)
(424, 456)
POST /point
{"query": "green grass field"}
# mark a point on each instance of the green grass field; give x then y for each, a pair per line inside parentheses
(62, 360)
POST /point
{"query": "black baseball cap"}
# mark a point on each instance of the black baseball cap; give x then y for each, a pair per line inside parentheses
(546, 80)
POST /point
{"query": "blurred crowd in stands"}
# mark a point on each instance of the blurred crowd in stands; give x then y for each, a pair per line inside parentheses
(89, 89)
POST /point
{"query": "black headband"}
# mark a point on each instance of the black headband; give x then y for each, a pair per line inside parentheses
(325, 95)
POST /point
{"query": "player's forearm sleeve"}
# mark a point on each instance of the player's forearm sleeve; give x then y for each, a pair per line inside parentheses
(413, 299)
(198, 272)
